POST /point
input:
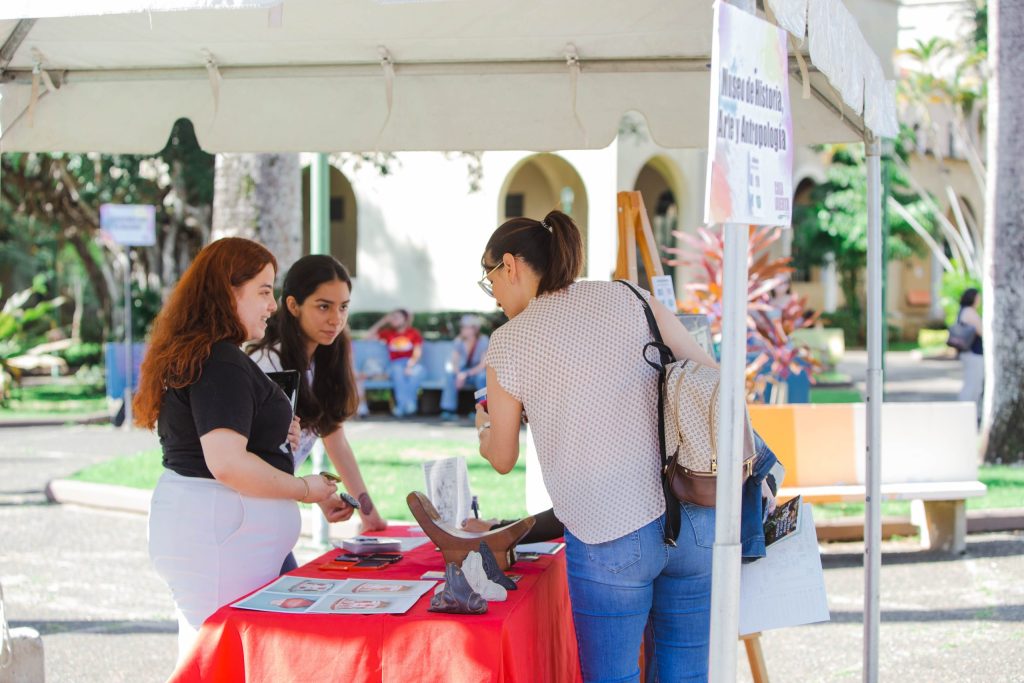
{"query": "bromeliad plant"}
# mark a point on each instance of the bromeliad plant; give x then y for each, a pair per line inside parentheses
(771, 353)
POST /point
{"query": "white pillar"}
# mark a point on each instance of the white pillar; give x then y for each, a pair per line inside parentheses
(873, 463)
(725, 570)
(935, 311)
(830, 283)
(725, 576)
(319, 243)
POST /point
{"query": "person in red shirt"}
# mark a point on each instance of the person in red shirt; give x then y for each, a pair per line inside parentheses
(405, 347)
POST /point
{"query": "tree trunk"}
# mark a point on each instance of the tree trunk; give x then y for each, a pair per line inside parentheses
(849, 283)
(99, 277)
(259, 196)
(1004, 237)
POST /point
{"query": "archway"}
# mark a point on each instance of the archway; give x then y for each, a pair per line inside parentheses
(540, 183)
(343, 217)
(660, 184)
(803, 203)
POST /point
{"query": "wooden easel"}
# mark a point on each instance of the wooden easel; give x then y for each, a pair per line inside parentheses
(635, 232)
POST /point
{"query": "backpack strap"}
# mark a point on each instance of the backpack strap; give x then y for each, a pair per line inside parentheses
(665, 357)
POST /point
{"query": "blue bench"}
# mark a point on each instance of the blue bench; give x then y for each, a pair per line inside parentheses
(370, 356)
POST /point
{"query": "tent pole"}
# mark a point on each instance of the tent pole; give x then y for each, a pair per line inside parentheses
(873, 462)
(319, 243)
(725, 573)
(725, 569)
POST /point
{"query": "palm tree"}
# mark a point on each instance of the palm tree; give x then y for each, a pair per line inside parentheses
(1004, 236)
(259, 196)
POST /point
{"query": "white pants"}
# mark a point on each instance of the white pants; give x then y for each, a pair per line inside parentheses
(974, 378)
(212, 545)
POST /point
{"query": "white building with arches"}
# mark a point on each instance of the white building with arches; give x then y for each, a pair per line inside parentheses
(413, 237)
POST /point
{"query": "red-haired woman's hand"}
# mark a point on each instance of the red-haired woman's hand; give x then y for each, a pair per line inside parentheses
(294, 434)
(320, 488)
(335, 509)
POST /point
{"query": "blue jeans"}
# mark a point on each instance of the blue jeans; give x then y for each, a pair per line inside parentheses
(450, 395)
(616, 586)
(406, 387)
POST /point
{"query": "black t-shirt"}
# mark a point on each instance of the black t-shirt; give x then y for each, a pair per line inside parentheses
(233, 393)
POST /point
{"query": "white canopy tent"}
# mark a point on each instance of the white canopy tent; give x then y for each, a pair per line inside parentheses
(458, 75)
(356, 75)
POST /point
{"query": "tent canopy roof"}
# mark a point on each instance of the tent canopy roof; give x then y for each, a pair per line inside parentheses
(307, 75)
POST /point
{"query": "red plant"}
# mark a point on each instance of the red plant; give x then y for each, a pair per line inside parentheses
(770, 319)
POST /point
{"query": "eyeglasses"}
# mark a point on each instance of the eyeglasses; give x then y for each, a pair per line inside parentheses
(486, 284)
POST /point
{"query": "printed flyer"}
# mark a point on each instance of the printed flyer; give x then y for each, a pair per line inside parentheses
(300, 595)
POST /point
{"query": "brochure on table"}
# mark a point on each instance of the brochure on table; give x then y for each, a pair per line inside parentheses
(299, 595)
(787, 586)
(447, 483)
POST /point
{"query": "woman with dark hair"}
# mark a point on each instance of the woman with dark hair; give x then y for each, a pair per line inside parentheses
(223, 515)
(973, 359)
(571, 357)
(308, 334)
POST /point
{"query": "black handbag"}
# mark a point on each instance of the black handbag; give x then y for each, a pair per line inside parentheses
(961, 335)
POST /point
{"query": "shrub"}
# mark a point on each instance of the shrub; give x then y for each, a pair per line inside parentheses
(87, 353)
(953, 285)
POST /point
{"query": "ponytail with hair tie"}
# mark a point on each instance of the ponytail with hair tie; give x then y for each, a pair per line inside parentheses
(558, 260)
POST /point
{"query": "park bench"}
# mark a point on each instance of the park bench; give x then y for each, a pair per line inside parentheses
(929, 456)
(371, 356)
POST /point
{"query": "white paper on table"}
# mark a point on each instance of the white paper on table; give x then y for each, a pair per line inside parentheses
(291, 595)
(541, 547)
(664, 291)
(363, 604)
(386, 587)
(412, 542)
(448, 488)
(786, 587)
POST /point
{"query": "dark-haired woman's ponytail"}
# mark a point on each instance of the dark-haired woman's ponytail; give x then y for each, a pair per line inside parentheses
(565, 261)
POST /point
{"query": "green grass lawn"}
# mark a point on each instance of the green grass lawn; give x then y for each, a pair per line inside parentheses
(901, 345)
(828, 395)
(391, 467)
(832, 377)
(50, 400)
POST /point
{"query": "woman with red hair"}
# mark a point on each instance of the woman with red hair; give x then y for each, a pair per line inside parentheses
(223, 515)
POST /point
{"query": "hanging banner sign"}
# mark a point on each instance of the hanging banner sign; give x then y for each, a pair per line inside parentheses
(750, 134)
(130, 225)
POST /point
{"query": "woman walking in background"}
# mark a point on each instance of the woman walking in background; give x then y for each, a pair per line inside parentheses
(223, 515)
(308, 334)
(571, 357)
(972, 358)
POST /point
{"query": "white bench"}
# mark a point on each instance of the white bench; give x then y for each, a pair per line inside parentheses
(929, 456)
(26, 665)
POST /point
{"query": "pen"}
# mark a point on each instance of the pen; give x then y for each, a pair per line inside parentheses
(476, 508)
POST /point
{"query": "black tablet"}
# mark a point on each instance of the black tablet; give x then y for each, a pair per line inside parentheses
(288, 380)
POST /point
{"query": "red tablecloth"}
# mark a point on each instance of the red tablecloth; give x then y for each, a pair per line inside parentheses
(526, 639)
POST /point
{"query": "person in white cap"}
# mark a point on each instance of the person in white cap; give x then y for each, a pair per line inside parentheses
(465, 369)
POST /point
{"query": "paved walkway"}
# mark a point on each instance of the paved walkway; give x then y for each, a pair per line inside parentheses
(906, 378)
(82, 577)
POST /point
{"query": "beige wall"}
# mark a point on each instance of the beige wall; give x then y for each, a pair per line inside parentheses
(540, 179)
(539, 196)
